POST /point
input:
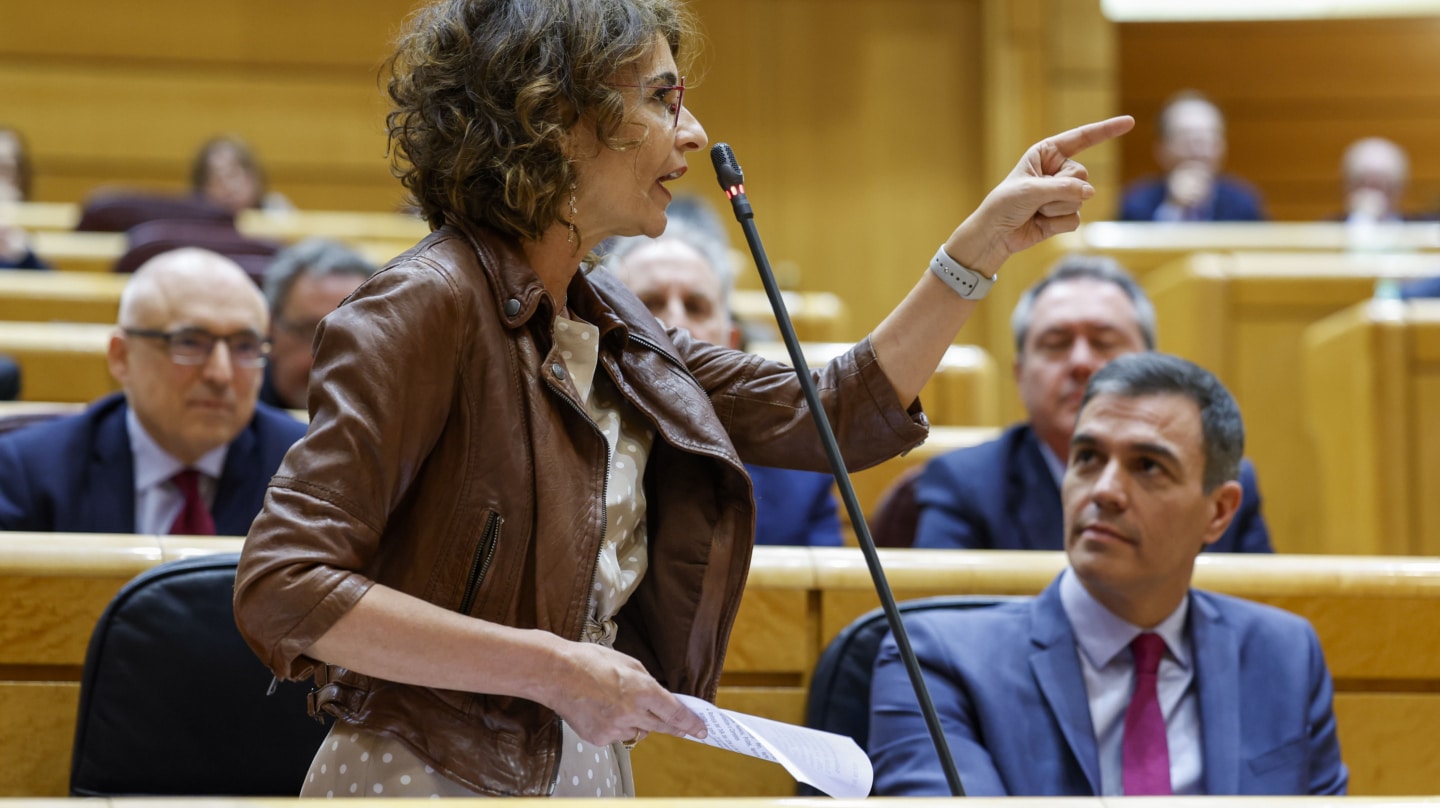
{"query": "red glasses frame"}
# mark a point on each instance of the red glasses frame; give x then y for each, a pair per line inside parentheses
(679, 98)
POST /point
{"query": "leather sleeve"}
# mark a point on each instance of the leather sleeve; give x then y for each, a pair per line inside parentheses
(762, 407)
(381, 391)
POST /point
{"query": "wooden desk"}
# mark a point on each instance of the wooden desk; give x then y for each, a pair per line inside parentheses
(60, 361)
(1373, 616)
(74, 297)
(1372, 393)
(817, 316)
(79, 252)
(1143, 247)
(961, 393)
(33, 216)
(1242, 316)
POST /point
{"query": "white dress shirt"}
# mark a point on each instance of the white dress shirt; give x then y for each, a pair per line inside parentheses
(1103, 641)
(158, 500)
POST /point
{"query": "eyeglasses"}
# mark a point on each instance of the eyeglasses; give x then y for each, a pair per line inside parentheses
(671, 95)
(304, 330)
(193, 346)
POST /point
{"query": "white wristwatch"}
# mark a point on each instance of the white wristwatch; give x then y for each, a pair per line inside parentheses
(966, 282)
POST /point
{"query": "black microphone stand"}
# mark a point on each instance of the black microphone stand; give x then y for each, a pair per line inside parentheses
(732, 181)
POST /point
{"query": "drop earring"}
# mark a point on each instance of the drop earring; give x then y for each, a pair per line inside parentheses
(573, 237)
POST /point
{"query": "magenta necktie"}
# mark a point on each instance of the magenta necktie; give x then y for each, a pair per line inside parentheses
(194, 518)
(1145, 754)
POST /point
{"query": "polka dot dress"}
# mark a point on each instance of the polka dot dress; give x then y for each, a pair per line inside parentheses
(354, 762)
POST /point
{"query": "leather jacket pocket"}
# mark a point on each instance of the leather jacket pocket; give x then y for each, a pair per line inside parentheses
(480, 562)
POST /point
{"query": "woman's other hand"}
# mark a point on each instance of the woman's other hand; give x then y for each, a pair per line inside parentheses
(607, 696)
(1040, 198)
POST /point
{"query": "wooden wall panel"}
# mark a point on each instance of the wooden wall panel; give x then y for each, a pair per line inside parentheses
(1295, 93)
(857, 124)
(868, 130)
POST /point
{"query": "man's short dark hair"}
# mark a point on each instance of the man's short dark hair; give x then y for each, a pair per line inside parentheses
(1081, 267)
(1157, 374)
(313, 257)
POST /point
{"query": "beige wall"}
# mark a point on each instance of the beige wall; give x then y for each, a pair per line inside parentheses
(867, 129)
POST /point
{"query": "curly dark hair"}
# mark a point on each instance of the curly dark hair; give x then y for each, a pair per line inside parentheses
(486, 92)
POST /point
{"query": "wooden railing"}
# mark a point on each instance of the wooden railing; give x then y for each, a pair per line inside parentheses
(1375, 618)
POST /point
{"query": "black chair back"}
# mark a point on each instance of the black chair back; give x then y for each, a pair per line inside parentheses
(173, 702)
(839, 699)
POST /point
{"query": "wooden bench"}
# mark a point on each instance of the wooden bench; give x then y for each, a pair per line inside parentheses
(1242, 316)
(1143, 248)
(961, 393)
(1372, 394)
(817, 316)
(1373, 615)
(60, 361)
(73, 251)
(72, 297)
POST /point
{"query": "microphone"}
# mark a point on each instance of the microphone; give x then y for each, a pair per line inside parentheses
(732, 181)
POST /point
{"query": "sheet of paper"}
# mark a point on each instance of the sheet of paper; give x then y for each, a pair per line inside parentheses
(835, 764)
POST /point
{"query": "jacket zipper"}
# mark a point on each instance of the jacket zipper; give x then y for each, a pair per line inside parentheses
(671, 359)
(489, 540)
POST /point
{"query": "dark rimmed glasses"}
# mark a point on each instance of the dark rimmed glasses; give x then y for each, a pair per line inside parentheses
(671, 95)
(193, 346)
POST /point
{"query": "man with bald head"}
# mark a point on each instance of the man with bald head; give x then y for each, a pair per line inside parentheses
(1190, 149)
(185, 448)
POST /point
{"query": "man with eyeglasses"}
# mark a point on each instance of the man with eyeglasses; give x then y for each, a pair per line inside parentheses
(304, 283)
(185, 448)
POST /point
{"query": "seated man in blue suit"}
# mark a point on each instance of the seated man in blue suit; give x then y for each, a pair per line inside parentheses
(1005, 494)
(185, 448)
(1119, 678)
(685, 278)
(1190, 148)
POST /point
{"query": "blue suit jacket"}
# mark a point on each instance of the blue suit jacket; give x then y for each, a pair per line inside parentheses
(77, 475)
(794, 507)
(1010, 692)
(1235, 201)
(1001, 496)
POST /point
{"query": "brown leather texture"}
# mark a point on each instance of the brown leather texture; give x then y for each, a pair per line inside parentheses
(443, 441)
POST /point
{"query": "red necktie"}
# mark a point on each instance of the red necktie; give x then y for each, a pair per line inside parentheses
(1145, 754)
(194, 518)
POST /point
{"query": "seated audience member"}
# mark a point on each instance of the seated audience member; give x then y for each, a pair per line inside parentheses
(305, 282)
(185, 448)
(1005, 494)
(1190, 148)
(1119, 679)
(226, 173)
(15, 179)
(685, 277)
(1376, 172)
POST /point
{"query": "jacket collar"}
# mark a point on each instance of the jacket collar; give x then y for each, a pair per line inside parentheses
(1056, 666)
(1034, 497)
(519, 294)
(1217, 675)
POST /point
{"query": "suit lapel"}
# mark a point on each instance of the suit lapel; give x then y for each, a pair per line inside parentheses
(239, 484)
(108, 505)
(1057, 671)
(1041, 520)
(1217, 675)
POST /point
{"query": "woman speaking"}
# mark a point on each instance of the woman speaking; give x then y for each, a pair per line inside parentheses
(520, 520)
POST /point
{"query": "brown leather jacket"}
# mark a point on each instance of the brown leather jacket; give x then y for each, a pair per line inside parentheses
(449, 457)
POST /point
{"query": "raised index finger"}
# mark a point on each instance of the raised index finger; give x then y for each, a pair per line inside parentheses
(1074, 141)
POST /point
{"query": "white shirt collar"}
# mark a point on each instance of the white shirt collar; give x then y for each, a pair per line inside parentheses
(1055, 463)
(1102, 635)
(154, 465)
